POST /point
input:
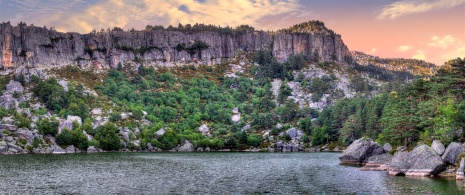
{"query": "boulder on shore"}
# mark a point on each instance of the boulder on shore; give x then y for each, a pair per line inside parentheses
(438, 147)
(422, 161)
(187, 147)
(359, 151)
(453, 150)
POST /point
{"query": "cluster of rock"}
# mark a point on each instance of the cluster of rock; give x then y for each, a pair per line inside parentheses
(423, 160)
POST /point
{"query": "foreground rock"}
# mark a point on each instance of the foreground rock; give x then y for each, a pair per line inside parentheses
(438, 147)
(453, 150)
(377, 163)
(359, 152)
(422, 161)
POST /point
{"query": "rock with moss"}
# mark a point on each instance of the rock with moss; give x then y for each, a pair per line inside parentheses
(359, 151)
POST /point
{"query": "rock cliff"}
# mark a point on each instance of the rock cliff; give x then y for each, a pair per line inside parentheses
(39, 47)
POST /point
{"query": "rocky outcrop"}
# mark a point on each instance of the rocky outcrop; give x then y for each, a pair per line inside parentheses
(453, 151)
(438, 147)
(360, 151)
(34, 47)
(421, 161)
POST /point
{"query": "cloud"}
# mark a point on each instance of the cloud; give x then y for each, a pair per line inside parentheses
(443, 42)
(373, 50)
(420, 55)
(127, 14)
(406, 7)
(449, 46)
(403, 48)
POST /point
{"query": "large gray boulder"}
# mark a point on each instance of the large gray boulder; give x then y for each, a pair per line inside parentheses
(422, 161)
(453, 150)
(359, 151)
(14, 87)
(438, 147)
(292, 133)
(65, 124)
(187, 147)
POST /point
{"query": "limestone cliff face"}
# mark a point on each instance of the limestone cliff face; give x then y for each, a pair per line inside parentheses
(37, 47)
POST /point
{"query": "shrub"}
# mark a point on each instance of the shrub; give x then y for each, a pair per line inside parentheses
(108, 138)
(48, 126)
(36, 142)
(65, 138)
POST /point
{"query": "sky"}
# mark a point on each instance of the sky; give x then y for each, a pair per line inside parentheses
(430, 30)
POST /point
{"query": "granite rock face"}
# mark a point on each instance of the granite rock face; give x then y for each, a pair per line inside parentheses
(37, 47)
(360, 151)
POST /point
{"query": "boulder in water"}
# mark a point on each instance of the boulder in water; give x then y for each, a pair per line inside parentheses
(359, 151)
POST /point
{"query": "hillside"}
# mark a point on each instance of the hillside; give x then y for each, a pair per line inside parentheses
(194, 87)
(412, 66)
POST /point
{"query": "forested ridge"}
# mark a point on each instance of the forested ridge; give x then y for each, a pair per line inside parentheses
(424, 110)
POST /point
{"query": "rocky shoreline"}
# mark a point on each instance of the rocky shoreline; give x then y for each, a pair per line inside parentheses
(422, 161)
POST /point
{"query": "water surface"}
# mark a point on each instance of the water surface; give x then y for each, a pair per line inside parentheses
(201, 173)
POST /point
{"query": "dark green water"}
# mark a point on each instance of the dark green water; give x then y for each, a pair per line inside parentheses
(203, 173)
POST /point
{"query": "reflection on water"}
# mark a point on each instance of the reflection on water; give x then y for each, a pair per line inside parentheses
(200, 173)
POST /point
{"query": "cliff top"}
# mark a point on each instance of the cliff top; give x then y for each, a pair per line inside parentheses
(312, 26)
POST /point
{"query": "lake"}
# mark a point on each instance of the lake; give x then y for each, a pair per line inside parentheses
(201, 173)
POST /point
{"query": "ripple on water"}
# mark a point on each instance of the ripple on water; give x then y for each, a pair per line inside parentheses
(200, 173)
